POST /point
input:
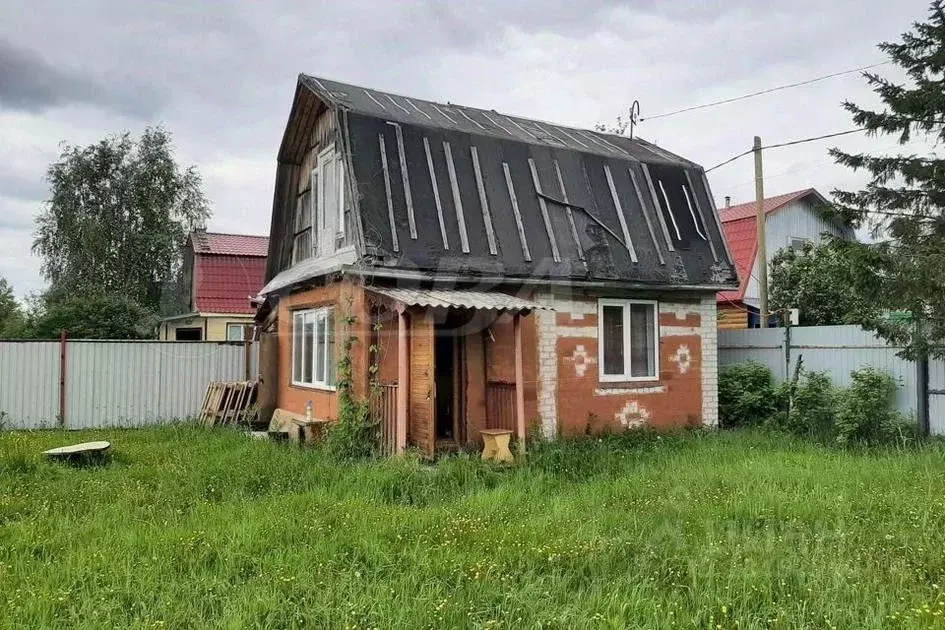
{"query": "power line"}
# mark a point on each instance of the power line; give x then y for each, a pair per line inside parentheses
(762, 92)
(787, 144)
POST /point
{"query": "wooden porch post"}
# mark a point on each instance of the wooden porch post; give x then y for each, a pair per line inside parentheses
(403, 381)
(519, 381)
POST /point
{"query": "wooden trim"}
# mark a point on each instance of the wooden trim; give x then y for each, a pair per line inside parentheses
(403, 382)
(519, 381)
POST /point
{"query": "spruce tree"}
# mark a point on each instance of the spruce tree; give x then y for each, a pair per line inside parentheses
(904, 200)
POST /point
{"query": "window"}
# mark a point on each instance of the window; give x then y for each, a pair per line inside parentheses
(628, 335)
(798, 243)
(304, 239)
(331, 196)
(237, 332)
(313, 348)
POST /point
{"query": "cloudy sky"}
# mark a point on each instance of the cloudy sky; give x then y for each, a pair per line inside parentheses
(221, 77)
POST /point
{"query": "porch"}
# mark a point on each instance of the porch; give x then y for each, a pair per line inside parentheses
(451, 364)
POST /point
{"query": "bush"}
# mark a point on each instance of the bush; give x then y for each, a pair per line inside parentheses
(746, 395)
(811, 407)
(865, 414)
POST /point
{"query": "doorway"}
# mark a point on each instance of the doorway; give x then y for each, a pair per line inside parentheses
(449, 380)
(188, 334)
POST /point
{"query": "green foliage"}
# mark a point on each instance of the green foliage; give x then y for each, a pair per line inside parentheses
(354, 435)
(93, 317)
(865, 414)
(822, 284)
(811, 407)
(746, 395)
(12, 319)
(196, 528)
(904, 199)
(116, 217)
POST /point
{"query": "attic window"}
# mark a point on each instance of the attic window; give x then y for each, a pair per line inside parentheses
(302, 240)
(798, 243)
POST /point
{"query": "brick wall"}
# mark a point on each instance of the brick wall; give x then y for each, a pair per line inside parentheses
(571, 400)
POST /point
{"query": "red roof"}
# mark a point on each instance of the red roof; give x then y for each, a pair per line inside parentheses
(741, 232)
(230, 244)
(224, 284)
(744, 210)
(742, 238)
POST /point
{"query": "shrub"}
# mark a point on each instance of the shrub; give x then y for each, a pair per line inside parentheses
(746, 395)
(811, 407)
(865, 413)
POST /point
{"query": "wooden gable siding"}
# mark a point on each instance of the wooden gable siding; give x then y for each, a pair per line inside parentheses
(323, 134)
(420, 430)
(732, 316)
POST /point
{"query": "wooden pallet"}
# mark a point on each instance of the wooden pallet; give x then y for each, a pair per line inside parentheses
(227, 403)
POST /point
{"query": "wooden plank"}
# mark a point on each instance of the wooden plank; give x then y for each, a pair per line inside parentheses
(515, 211)
(403, 379)
(422, 385)
(544, 211)
(519, 381)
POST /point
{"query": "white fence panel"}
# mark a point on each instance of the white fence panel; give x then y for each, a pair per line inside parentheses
(113, 383)
(29, 384)
(765, 346)
(836, 350)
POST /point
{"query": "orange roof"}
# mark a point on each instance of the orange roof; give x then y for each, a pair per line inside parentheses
(741, 232)
(743, 210)
(230, 244)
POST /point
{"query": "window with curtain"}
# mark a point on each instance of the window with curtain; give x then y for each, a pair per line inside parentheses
(628, 337)
(313, 348)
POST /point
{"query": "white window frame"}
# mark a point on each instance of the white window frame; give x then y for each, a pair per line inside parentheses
(298, 318)
(242, 329)
(626, 377)
(327, 156)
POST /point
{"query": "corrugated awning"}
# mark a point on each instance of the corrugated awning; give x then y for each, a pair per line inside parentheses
(458, 298)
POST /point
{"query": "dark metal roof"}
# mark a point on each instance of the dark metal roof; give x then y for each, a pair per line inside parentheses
(455, 189)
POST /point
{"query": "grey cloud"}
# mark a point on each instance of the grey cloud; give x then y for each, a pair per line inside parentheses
(28, 82)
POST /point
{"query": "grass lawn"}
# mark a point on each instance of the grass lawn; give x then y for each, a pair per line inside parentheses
(188, 528)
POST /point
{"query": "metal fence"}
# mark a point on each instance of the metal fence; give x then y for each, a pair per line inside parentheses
(838, 351)
(80, 384)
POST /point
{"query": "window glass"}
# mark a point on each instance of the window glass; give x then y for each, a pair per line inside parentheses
(613, 342)
(642, 340)
(629, 341)
(330, 349)
(297, 358)
(320, 352)
(235, 332)
(307, 347)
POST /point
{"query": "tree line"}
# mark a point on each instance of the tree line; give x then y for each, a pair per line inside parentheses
(110, 237)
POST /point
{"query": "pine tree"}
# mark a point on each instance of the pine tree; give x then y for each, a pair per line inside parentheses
(904, 201)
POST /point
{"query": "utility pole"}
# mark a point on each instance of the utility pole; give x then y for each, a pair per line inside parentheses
(762, 256)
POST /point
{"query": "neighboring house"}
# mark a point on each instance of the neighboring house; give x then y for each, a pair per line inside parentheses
(791, 220)
(222, 273)
(494, 271)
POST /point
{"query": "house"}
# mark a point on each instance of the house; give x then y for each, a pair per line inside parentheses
(222, 272)
(791, 220)
(487, 271)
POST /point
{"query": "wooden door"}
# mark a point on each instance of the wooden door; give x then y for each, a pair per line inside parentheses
(420, 427)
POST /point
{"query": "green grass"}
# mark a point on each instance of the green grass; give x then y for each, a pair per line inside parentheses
(189, 528)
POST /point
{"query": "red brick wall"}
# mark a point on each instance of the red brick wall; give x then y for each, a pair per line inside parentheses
(346, 298)
(586, 405)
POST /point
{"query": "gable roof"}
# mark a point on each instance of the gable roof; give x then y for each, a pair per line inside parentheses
(224, 284)
(741, 231)
(749, 209)
(229, 244)
(447, 189)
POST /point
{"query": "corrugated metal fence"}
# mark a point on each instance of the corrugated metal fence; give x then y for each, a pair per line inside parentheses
(837, 350)
(112, 383)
